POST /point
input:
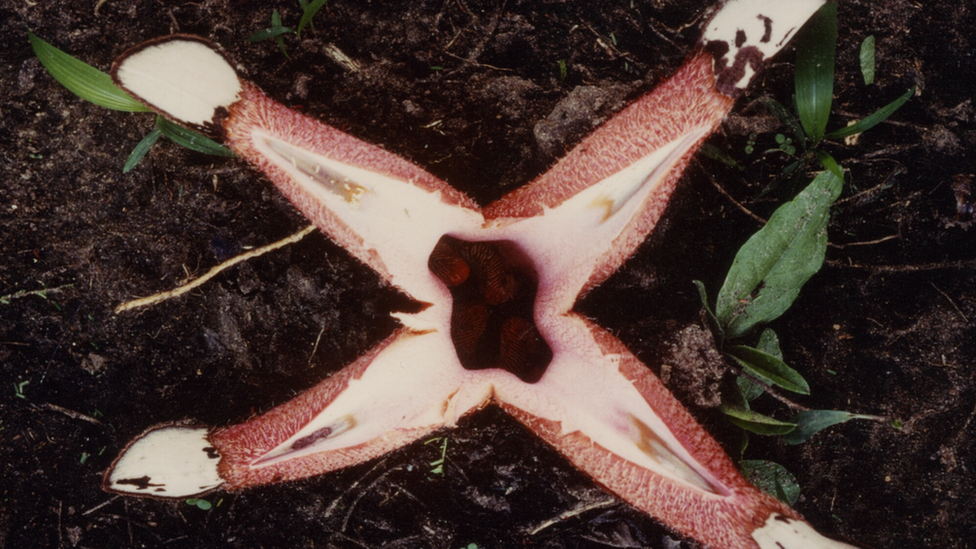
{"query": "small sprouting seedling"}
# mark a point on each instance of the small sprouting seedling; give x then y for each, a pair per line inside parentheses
(816, 48)
(751, 143)
(437, 466)
(471, 546)
(95, 86)
(201, 504)
(84, 457)
(19, 389)
(785, 144)
(277, 30)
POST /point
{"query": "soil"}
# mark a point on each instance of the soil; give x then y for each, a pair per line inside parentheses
(472, 91)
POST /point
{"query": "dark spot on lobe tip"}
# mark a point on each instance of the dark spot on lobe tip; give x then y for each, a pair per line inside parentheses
(767, 27)
(740, 38)
(142, 483)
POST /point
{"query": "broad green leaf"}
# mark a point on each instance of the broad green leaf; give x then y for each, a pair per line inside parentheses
(772, 266)
(874, 119)
(769, 369)
(755, 422)
(867, 60)
(82, 79)
(816, 47)
(748, 389)
(769, 343)
(308, 12)
(191, 139)
(141, 149)
(810, 422)
(772, 478)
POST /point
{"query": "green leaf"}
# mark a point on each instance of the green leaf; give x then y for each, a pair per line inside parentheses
(876, 118)
(816, 48)
(715, 153)
(309, 12)
(276, 22)
(712, 320)
(199, 503)
(82, 79)
(811, 422)
(867, 60)
(786, 118)
(830, 164)
(190, 139)
(769, 344)
(269, 33)
(749, 389)
(772, 266)
(772, 478)
(755, 422)
(141, 149)
(769, 369)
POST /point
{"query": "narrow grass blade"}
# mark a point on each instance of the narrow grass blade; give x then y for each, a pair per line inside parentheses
(141, 149)
(308, 12)
(874, 119)
(814, 77)
(82, 79)
(269, 33)
(830, 164)
(191, 139)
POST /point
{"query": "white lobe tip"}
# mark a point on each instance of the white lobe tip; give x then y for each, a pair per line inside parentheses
(781, 532)
(752, 31)
(184, 78)
(166, 462)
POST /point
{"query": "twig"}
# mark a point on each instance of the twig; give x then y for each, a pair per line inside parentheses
(728, 196)
(100, 505)
(70, 413)
(965, 264)
(951, 302)
(153, 299)
(864, 243)
(317, 340)
(25, 293)
(572, 513)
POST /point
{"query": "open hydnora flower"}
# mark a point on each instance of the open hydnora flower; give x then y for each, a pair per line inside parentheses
(497, 287)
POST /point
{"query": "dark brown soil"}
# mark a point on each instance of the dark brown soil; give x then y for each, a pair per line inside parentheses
(462, 87)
